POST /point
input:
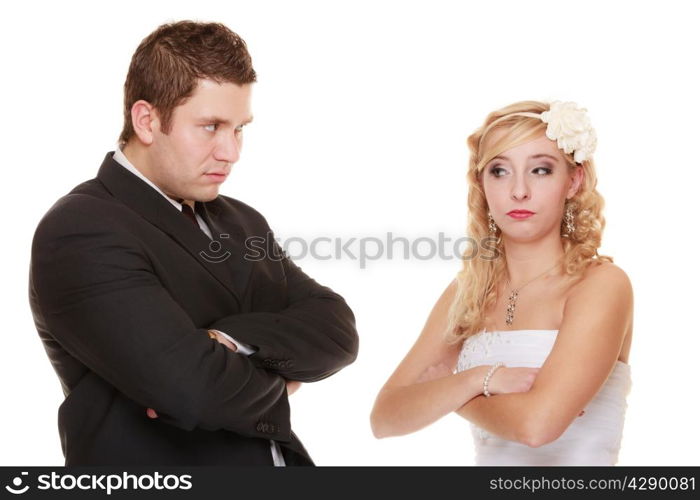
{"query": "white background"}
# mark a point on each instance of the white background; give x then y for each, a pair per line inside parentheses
(361, 115)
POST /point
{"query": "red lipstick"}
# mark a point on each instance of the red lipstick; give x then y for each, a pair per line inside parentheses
(520, 214)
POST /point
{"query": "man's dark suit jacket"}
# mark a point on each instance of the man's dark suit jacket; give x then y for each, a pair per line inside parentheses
(123, 289)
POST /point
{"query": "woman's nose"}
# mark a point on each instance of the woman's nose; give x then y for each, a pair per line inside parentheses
(520, 190)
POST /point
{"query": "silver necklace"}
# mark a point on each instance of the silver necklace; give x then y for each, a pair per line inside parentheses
(512, 299)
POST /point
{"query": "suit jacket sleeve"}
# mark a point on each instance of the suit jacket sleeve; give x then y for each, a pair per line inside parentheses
(105, 306)
(311, 339)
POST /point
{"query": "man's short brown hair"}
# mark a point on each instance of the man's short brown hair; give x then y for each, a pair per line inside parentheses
(167, 65)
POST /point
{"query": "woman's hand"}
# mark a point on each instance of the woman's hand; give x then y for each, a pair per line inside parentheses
(505, 380)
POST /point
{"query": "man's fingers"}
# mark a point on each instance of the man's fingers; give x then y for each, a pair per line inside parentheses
(292, 386)
(227, 343)
(222, 340)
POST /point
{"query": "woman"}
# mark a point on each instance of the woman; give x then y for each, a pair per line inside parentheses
(537, 318)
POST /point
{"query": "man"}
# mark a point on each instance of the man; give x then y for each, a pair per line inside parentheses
(175, 344)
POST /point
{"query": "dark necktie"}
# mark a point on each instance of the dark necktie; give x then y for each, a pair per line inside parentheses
(187, 211)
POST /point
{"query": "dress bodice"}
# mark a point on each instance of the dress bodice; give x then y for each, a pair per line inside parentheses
(592, 439)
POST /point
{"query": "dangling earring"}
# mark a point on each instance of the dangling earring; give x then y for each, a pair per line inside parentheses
(492, 225)
(569, 221)
(493, 228)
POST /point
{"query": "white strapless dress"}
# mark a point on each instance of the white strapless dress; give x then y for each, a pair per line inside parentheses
(592, 439)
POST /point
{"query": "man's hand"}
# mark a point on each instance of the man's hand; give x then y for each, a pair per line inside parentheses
(292, 386)
(221, 340)
(213, 334)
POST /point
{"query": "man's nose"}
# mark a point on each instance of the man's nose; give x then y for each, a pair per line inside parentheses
(228, 149)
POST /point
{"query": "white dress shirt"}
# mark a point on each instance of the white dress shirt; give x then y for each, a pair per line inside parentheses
(241, 348)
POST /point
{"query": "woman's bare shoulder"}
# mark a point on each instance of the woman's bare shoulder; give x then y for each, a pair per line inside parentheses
(603, 286)
(602, 279)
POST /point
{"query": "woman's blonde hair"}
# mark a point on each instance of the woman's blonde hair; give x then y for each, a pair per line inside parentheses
(476, 282)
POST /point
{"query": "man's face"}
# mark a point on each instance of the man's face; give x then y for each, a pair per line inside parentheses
(204, 142)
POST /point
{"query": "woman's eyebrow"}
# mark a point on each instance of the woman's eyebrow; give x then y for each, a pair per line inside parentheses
(543, 155)
(533, 157)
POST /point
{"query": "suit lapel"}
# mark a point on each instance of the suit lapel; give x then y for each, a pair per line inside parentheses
(231, 269)
(227, 246)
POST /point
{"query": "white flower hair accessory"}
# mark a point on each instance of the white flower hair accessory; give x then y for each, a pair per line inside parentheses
(570, 126)
(567, 124)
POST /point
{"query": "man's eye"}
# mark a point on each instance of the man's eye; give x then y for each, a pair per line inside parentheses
(239, 129)
(211, 127)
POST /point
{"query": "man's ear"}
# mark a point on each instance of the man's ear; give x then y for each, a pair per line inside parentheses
(576, 181)
(144, 119)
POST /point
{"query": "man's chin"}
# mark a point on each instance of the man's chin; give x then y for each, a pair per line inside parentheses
(208, 196)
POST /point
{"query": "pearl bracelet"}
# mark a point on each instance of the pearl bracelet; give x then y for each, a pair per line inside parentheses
(488, 377)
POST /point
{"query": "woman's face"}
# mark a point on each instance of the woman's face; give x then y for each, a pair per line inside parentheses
(532, 177)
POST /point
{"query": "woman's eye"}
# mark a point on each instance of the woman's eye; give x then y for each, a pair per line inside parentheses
(547, 170)
(211, 127)
(494, 171)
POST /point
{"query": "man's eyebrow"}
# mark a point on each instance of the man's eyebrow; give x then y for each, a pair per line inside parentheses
(216, 119)
(533, 157)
